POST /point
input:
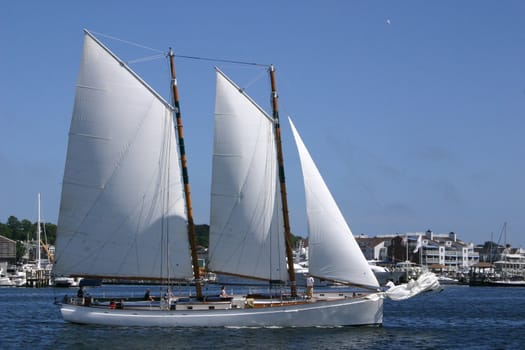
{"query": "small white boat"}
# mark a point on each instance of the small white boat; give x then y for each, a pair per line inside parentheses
(5, 281)
(18, 278)
(447, 280)
(66, 282)
(507, 283)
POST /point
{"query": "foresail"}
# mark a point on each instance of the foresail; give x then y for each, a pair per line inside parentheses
(333, 251)
(122, 207)
(246, 237)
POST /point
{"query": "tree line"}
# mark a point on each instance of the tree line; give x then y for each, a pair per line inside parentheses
(25, 230)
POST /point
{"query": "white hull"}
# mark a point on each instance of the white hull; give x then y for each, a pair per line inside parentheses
(508, 283)
(5, 282)
(19, 280)
(362, 311)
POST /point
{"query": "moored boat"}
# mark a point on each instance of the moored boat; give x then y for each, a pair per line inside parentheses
(66, 282)
(5, 281)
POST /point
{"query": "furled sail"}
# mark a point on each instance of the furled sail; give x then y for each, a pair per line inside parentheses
(122, 208)
(333, 251)
(246, 229)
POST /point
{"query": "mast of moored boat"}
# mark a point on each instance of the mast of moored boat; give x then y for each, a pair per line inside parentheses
(38, 233)
(185, 178)
(286, 219)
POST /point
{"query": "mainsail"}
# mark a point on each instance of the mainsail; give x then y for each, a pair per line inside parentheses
(333, 251)
(246, 229)
(122, 207)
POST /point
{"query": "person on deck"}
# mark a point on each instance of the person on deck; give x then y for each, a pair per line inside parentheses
(168, 295)
(147, 295)
(309, 287)
(80, 296)
(223, 292)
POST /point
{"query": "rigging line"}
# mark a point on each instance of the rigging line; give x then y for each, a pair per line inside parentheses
(128, 42)
(147, 58)
(254, 80)
(223, 60)
(181, 56)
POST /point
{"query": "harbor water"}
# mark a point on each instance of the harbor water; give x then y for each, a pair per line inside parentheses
(459, 317)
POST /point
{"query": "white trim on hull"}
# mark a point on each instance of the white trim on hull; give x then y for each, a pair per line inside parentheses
(363, 311)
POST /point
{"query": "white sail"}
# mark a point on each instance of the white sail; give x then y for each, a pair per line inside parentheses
(333, 251)
(122, 208)
(246, 237)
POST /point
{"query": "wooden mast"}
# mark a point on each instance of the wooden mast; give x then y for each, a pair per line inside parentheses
(185, 178)
(286, 219)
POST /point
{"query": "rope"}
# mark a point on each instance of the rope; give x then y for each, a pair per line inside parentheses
(253, 81)
(148, 58)
(128, 42)
(163, 53)
(223, 60)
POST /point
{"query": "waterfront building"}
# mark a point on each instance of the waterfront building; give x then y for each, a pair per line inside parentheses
(443, 252)
(447, 251)
(375, 248)
(7, 250)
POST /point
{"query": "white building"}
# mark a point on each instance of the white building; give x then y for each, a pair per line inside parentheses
(439, 251)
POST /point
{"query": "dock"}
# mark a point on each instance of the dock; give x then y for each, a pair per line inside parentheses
(38, 278)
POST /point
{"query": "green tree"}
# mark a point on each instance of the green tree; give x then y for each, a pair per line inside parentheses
(19, 230)
(20, 250)
(202, 233)
(27, 230)
(295, 239)
(14, 226)
(4, 230)
(51, 232)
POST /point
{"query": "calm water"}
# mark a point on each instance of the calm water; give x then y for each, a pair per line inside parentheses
(459, 317)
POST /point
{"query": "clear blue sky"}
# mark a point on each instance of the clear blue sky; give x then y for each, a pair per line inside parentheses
(413, 110)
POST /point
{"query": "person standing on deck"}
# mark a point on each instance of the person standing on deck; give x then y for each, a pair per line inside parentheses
(80, 296)
(309, 287)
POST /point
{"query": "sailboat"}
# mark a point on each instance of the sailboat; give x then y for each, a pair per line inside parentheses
(126, 212)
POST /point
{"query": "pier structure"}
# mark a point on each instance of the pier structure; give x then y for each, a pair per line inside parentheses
(38, 278)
